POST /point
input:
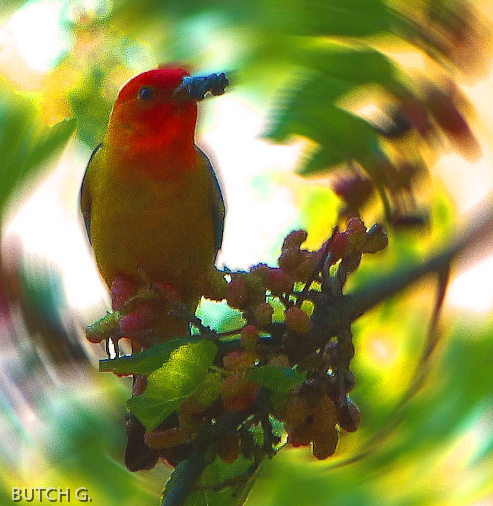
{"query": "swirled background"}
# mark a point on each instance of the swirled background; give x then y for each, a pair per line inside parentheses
(426, 436)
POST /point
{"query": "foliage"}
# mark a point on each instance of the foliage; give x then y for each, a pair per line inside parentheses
(25, 142)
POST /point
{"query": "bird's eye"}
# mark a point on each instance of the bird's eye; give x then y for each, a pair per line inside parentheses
(146, 94)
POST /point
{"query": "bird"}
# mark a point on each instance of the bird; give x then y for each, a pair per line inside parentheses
(152, 204)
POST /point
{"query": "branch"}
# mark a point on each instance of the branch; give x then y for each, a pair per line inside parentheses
(184, 479)
(477, 230)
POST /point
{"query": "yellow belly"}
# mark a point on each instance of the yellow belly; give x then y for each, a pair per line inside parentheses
(163, 229)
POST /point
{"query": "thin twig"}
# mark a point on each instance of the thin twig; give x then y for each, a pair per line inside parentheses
(317, 268)
(477, 230)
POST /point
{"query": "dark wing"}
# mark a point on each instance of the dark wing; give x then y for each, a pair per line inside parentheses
(85, 198)
(218, 207)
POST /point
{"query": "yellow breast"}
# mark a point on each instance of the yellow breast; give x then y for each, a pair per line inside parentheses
(162, 228)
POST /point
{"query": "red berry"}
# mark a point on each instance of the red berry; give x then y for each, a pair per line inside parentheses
(239, 360)
(447, 115)
(415, 111)
(136, 322)
(307, 265)
(301, 436)
(238, 392)
(325, 443)
(354, 189)
(237, 293)
(279, 281)
(339, 246)
(296, 411)
(229, 448)
(349, 416)
(168, 292)
(249, 337)
(255, 287)
(122, 289)
(229, 360)
(445, 112)
(260, 270)
(356, 232)
(355, 226)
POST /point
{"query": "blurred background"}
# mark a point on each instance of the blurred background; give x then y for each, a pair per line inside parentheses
(313, 85)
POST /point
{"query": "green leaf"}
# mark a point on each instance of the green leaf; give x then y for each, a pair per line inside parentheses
(336, 130)
(307, 110)
(174, 382)
(352, 18)
(345, 67)
(106, 327)
(49, 142)
(210, 390)
(145, 362)
(25, 141)
(321, 159)
(275, 378)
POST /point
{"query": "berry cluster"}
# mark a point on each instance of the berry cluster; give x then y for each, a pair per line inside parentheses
(138, 311)
(288, 365)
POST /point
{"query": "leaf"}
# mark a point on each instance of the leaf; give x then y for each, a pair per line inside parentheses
(345, 67)
(174, 382)
(320, 159)
(338, 17)
(145, 362)
(306, 110)
(336, 130)
(210, 390)
(275, 378)
(25, 141)
(48, 142)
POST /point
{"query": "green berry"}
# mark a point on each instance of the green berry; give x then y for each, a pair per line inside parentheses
(262, 314)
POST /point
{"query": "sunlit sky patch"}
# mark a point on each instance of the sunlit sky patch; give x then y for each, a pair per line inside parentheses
(473, 290)
(255, 219)
(39, 34)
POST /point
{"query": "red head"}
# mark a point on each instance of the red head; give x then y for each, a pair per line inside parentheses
(152, 123)
(150, 128)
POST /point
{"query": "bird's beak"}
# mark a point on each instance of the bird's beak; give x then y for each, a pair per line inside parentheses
(194, 89)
